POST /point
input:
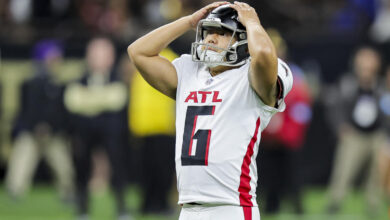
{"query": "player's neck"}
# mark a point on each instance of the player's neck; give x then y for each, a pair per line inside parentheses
(219, 69)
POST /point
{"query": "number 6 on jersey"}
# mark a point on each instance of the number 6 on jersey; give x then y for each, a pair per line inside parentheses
(202, 136)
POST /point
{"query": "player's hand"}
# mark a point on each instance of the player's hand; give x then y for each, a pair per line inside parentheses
(203, 12)
(246, 14)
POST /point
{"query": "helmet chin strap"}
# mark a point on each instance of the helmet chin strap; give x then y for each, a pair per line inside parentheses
(211, 58)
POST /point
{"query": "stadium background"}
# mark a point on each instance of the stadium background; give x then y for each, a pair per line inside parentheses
(321, 37)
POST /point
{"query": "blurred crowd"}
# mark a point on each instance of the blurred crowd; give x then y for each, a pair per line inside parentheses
(108, 125)
(23, 21)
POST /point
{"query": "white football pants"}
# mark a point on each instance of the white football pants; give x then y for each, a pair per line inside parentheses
(221, 212)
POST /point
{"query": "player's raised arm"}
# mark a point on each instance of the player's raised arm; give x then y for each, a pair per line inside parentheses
(264, 62)
(144, 52)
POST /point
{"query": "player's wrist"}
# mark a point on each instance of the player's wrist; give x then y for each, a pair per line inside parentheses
(252, 22)
(189, 22)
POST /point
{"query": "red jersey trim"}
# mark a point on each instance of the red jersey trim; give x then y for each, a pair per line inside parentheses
(192, 135)
(245, 187)
(206, 162)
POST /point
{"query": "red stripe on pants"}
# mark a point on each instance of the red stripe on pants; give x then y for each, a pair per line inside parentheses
(247, 212)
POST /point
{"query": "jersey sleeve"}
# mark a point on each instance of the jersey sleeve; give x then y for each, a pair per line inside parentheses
(285, 83)
(179, 64)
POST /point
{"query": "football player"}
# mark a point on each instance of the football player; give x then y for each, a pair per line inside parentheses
(226, 92)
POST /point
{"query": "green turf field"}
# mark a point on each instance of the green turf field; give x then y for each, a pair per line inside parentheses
(42, 204)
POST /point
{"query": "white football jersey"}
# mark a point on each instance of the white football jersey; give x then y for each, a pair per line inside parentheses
(218, 128)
